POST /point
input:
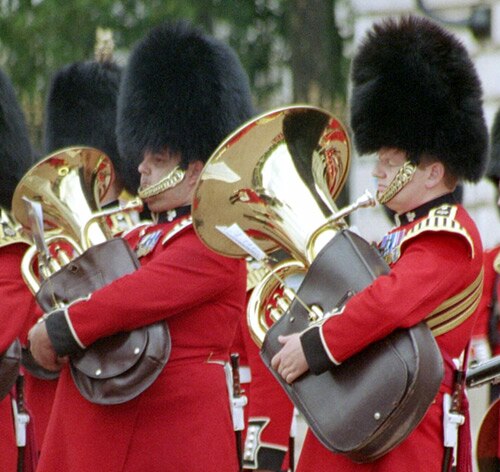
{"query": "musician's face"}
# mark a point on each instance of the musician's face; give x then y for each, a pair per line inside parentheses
(154, 167)
(413, 194)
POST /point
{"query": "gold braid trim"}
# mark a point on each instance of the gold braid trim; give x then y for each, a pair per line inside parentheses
(441, 218)
(169, 181)
(456, 309)
(403, 176)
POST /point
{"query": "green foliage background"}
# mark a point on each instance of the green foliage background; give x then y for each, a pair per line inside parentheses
(272, 38)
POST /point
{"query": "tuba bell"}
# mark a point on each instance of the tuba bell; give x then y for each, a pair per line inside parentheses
(276, 178)
(69, 185)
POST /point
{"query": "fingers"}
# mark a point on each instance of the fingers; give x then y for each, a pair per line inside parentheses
(281, 367)
(290, 378)
(276, 361)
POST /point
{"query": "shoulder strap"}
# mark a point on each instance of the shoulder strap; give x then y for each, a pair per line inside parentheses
(442, 218)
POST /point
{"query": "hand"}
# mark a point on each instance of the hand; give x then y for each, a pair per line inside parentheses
(42, 350)
(290, 362)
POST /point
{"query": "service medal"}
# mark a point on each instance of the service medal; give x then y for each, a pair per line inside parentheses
(390, 246)
(147, 243)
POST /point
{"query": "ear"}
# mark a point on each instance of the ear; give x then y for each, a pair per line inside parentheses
(435, 174)
(194, 170)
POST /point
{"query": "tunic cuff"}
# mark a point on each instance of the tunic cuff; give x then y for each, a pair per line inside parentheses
(316, 356)
(61, 333)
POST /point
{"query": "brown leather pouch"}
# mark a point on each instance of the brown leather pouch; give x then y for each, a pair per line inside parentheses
(10, 362)
(117, 368)
(371, 402)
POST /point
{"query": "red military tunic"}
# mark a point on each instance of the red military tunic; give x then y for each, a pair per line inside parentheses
(40, 392)
(17, 304)
(429, 264)
(269, 412)
(491, 282)
(182, 422)
(481, 331)
(270, 415)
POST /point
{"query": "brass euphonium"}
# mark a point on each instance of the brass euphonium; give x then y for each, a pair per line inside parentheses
(272, 184)
(69, 185)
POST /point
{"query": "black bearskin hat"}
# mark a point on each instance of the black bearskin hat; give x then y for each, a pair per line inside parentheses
(493, 170)
(182, 90)
(415, 88)
(81, 109)
(16, 152)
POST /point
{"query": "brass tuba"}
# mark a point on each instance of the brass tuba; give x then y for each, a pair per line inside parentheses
(70, 185)
(273, 184)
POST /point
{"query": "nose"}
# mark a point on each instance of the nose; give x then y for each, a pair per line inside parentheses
(378, 171)
(142, 168)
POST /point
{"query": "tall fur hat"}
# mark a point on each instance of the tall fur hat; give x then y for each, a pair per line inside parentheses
(414, 87)
(16, 152)
(81, 109)
(493, 170)
(182, 90)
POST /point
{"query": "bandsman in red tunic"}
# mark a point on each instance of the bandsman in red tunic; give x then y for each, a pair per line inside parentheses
(486, 335)
(416, 103)
(80, 111)
(16, 156)
(270, 435)
(269, 414)
(182, 93)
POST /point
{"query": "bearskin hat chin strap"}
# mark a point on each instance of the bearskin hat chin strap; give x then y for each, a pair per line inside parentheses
(169, 181)
(404, 175)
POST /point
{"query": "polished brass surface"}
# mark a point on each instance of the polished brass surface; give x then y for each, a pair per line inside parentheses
(277, 177)
(271, 298)
(70, 185)
(34, 268)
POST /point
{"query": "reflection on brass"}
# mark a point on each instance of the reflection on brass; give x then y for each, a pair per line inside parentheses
(287, 167)
(70, 185)
(271, 298)
(277, 178)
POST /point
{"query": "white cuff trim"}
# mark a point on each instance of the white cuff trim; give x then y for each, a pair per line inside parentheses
(325, 347)
(73, 332)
